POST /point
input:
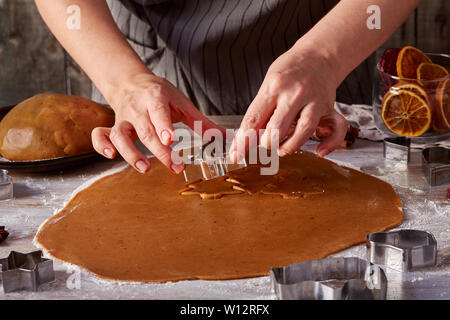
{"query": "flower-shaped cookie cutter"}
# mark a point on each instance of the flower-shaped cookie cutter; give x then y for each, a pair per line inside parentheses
(402, 250)
(436, 165)
(330, 279)
(25, 271)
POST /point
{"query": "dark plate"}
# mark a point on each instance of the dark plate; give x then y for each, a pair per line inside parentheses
(49, 164)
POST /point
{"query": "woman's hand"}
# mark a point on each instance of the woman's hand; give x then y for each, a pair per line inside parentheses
(300, 90)
(145, 109)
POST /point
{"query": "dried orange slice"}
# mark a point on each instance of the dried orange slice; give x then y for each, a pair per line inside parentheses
(430, 71)
(409, 60)
(406, 113)
(441, 122)
(413, 87)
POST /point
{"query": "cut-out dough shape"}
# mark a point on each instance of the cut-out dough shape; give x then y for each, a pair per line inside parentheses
(250, 179)
(211, 189)
(290, 184)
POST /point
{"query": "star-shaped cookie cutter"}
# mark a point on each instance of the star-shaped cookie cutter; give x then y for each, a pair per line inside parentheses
(330, 279)
(402, 250)
(25, 271)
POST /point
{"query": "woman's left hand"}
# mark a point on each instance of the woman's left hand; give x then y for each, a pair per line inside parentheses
(300, 89)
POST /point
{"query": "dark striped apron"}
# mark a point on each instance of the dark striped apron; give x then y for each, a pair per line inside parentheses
(218, 51)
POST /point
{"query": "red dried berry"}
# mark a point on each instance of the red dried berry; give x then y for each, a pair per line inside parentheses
(388, 68)
(388, 61)
(3, 234)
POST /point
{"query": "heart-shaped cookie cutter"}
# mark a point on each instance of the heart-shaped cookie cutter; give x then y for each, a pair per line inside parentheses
(402, 250)
(436, 165)
(330, 279)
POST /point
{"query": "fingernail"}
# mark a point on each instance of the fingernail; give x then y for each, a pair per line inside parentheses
(141, 166)
(108, 152)
(177, 168)
(264, 141)
(323, 152)
(166, 137)
(319, 151)
(282, 153)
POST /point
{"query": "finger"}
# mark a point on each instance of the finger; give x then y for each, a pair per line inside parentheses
(159, 112)
(102, 144)
(324, 131)
(255, 118)
(334, 140)
(281, 120)
(306, 125)
(284, 115)
(122, 137)
(147, 134)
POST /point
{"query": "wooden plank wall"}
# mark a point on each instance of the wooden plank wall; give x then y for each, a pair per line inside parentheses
(31, 60)
(428, 28)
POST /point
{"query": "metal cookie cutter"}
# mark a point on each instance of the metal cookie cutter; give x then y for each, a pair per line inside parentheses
(206, 163)
(402, 250)
(436, 165)
(330, 279)
(6, 186)
(397, 149)
(20, 271)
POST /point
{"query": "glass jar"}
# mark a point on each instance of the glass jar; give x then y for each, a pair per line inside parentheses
(387, 86)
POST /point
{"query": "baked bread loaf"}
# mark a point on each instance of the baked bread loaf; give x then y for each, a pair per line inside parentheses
(50, 126)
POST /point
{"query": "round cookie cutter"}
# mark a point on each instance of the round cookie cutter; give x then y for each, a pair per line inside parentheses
(6, 186)
(397, 149)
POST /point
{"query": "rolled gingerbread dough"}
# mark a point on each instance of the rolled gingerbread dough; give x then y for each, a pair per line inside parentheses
(135, 227)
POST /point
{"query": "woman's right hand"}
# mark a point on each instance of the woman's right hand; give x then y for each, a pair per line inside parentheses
(145, 108)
